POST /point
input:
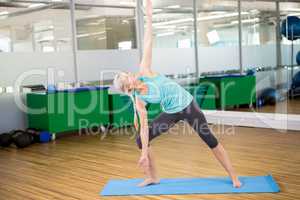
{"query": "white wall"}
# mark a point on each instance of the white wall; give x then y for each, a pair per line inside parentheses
(92, 64)
(174, 61)
(11, 116)
(14, 65)
(218, 58)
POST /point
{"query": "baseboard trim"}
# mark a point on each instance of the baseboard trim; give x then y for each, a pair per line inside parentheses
(253, 119)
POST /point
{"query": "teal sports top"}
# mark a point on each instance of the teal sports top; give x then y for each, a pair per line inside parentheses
(172, 97)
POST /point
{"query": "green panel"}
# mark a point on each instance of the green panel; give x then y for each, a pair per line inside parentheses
(228, 90)
(35, 116)
(231, 89)
(204, 95)
(70, 111)
(122, 112)
(153, 111)
(209, 100)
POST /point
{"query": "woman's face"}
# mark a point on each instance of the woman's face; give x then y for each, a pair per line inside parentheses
(130, 83)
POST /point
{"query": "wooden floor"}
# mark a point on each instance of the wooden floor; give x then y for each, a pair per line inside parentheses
(78, 167)
(289, 106)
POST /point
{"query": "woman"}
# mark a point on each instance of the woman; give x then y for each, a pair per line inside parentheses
(177, 104)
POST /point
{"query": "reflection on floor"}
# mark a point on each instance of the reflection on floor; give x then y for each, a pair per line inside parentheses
(79, 167)
(289, 106)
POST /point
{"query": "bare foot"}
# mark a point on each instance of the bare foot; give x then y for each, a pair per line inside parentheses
(236, 183)
(149, 181)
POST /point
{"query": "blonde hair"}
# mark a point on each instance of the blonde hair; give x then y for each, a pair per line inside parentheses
(122, 84)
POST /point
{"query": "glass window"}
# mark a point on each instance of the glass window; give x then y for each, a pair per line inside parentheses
(105, 25)
(218, 37)
(217, 25)
(173, 24)
(36, 39)
(173, 35)
(290, 47)
(34, 27)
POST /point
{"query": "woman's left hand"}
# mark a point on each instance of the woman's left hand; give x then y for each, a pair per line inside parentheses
(149, 8)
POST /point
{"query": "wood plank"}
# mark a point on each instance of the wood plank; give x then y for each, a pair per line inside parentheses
(78, 167)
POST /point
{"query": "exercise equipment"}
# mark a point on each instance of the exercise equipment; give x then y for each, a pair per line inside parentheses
(51, 89)
(290, 28)
(45, 137)
(268, 96)
(296, 80)
(39, 136)
(22, 139)
(295, 87)
(251, 72)
(5, 140)
(298, 58)
(214, 185)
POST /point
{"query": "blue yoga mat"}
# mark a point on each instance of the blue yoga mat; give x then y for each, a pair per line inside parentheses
(213, 185)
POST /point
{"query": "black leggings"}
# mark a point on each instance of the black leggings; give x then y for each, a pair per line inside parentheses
(192, 115)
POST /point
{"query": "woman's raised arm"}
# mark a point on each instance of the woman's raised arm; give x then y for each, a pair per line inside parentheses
(145, 65)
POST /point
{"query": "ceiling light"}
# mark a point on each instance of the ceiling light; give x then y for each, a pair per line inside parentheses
(101, 38)
(205, 18)
(235, 14)
(246, 21)
(157, 10)
(291, 9)
(36, 5)
(90, 34)
(9, 89)
(174, 7)
(57, 0)
(4, 13)
(165, 34)
(174, 22)
(126, 3)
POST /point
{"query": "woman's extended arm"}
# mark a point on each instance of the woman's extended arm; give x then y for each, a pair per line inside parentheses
(145, 65)
(144, 129)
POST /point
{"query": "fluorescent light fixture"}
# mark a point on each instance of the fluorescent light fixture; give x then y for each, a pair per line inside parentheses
(291, 9)
(4, 13)
(93, 24)
(127, 3)
(57, 0)
(101, 38)
(90, 34)
(294, 14)
(157, 10)
(203, 18)
(218, 12)
(9, 89)
(165, 34)
(246, 21)
(1, 90)
(46, 39)
(211, 17)
(174, 22)
(36, 5)
(166, 27)
(174, 6)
